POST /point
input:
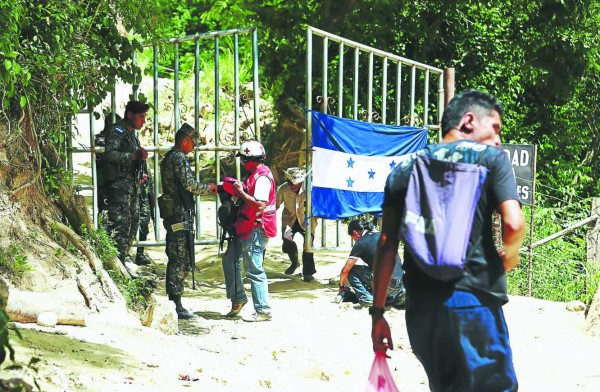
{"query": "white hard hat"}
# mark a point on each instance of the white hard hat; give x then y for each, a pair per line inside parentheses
(295, 175)
(251, 149)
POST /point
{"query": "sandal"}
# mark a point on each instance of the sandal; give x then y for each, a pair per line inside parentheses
(236, 309)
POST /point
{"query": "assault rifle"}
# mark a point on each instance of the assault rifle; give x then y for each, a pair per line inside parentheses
(188, 224)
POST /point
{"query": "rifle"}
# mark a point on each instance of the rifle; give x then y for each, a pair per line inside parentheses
(188, 224)
(151, 197)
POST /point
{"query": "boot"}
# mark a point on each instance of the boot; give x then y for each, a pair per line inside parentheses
(308, 264)
(140, 258)
(292, 268)
(182, 313)
(292, 250)
(132, 274)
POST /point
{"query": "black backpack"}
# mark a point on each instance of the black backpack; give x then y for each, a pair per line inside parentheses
(228, 210)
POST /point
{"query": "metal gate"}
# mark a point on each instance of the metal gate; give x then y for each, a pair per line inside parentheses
(371, 93)
(226, 136)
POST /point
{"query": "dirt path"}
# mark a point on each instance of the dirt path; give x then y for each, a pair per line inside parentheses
(310, 345)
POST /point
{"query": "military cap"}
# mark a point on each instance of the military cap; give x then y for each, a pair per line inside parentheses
(136, 107)
(186, 130)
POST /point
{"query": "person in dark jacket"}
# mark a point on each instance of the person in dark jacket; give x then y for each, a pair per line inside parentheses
(123, 159)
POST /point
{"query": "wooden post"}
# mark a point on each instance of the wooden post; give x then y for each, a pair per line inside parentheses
(593, 233)
(448, 85)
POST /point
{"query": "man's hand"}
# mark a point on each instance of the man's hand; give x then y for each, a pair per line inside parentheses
(212, 187)
(381, 335)
(144, 178)
(238, 187)
(140, 155)
(288, 235)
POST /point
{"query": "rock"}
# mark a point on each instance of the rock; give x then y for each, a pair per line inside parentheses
(26, 306)
(161, 315)
(47, 319)
(576, 306)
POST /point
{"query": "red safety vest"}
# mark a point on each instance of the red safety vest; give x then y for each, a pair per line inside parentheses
(247, 219)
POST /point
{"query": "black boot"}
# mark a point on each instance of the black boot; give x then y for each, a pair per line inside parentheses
(308, 264)
(182, 313)
(132, 274)
(140, 258)
(291, 249)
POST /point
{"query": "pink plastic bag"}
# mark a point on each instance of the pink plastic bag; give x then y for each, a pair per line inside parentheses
(380, 378)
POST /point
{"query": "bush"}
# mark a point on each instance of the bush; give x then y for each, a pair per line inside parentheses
(560, 271)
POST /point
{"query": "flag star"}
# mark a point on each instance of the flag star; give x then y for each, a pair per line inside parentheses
(350, 181)
(392, 164)
(350, 163)
(371, 174)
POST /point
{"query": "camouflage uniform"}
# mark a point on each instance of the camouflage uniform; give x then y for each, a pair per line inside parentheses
(123, 192)
(178, 182)
(146, 206)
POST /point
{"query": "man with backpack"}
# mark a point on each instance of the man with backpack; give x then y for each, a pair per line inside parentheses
(177, 210)
(455, 324)
(256, 223)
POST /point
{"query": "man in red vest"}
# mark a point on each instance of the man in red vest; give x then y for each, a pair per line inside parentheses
(256, 223)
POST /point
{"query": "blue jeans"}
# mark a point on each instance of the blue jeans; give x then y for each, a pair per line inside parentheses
(463, 345)
(361, 278)
(232, 270)
(253, 249)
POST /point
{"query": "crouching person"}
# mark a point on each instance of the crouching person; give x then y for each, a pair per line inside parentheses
(361, 276)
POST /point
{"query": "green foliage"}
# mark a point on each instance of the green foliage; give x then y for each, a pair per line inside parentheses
(134, 291)
(13, 262)
(560, 271)
(103, 244)
(52, 178)
(57, 57)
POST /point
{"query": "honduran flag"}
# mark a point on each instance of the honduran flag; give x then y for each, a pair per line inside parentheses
(352, 160)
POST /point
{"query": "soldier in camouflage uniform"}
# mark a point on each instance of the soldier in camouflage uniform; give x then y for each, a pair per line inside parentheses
(179, 186)
(124, 158)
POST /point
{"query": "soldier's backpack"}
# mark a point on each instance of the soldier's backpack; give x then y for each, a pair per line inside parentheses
(228, 210)
(441, 201)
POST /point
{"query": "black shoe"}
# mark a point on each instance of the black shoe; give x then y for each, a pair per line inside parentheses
(308, 278)
(183, 314)
(141, 259)
(291, 269)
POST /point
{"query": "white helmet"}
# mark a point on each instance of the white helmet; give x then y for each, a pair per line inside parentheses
(252, 150)
(295, 175)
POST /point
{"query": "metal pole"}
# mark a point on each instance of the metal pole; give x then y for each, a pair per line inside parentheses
(308, 180)
(255, 84)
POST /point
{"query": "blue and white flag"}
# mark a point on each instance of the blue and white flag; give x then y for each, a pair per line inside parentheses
(352, 160)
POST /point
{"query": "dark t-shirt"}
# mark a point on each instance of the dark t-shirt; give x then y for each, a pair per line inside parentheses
(366, 247)
(484, 271)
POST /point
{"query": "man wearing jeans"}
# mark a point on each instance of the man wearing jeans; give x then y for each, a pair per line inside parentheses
(256, 223)
(457, 328)
(361, 276)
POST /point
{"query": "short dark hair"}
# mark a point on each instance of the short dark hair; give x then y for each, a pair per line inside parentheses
(471, 100)
(184, 131)
(136, 107)
(359, 225)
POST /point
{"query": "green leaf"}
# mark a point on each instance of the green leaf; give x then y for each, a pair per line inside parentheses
(23, 101)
